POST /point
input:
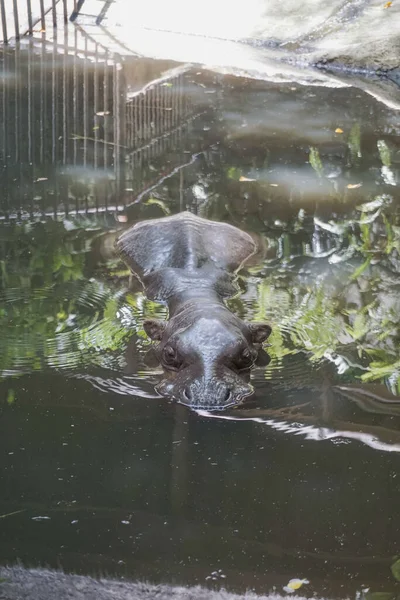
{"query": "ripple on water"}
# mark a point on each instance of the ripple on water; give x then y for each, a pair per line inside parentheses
(138, 386)
(68, 326)
(280, 373)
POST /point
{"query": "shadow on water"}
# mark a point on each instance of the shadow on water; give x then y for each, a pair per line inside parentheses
(108, 475)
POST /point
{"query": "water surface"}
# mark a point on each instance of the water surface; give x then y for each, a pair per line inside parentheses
(302, 480)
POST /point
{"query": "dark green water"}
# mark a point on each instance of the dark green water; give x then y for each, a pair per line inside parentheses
(303, 480)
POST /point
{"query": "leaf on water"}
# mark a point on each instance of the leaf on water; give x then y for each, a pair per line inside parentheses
(295, 584)
(233, 173)
(387, 5)
(245, 179)
(389, 235)
(110, 309)
(360, 326)
(379, 370)
(395, 568)
(66, 260)
(384, 153)
(315, 161)
(338, 130)
(10, 397)
(353, 186)
(354, 142)
(360, 269)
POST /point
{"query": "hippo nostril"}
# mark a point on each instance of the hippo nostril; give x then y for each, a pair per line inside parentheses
(187, 394)
(227, 395)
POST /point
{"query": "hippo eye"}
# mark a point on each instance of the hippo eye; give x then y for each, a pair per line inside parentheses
(170, 357)
(245, 359)
(169, 353)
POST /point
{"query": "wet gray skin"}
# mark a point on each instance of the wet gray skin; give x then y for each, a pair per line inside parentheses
(205, 350)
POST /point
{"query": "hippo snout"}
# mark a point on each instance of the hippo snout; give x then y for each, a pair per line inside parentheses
(212, 393)
(222, 395)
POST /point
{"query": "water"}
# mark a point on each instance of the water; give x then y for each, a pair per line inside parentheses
(101, 473)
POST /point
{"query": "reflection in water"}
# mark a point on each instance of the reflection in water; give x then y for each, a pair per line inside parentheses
(310, 432)
(76, 136)
(157, 491)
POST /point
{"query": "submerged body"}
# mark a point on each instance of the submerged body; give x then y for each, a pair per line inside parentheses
(190, 263)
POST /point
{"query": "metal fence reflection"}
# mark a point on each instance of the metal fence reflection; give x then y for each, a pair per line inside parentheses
(72, 142)
(22, 17)
(59, 108)
(158, 120)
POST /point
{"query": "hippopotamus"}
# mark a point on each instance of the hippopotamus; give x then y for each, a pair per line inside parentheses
(190, 263)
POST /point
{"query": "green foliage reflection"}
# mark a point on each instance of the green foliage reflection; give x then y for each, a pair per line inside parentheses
(333, 296)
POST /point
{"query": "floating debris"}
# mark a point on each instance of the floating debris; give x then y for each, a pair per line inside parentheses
(295, 584)
(215, 575)
(15, 512)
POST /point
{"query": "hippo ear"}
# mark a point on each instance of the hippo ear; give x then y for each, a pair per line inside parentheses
(154, 328)
(259, 332)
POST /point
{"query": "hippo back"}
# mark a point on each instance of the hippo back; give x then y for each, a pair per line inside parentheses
(183, 241)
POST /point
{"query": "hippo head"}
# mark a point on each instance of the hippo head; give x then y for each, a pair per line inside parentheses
(207, 356)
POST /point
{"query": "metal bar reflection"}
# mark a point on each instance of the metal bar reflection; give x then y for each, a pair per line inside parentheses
(77, 7)
(31, 126)
(65, 96)
(96, 119)
(54, 12)
(103, 11)
(4, 21)
(105, 112)
(5, 118)
(116, 124)
(16, 19)
(42, 15)
(75, 97)
(29, 11)
(18, 129)
(54, 125)
(85, 108)
(65, 11)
